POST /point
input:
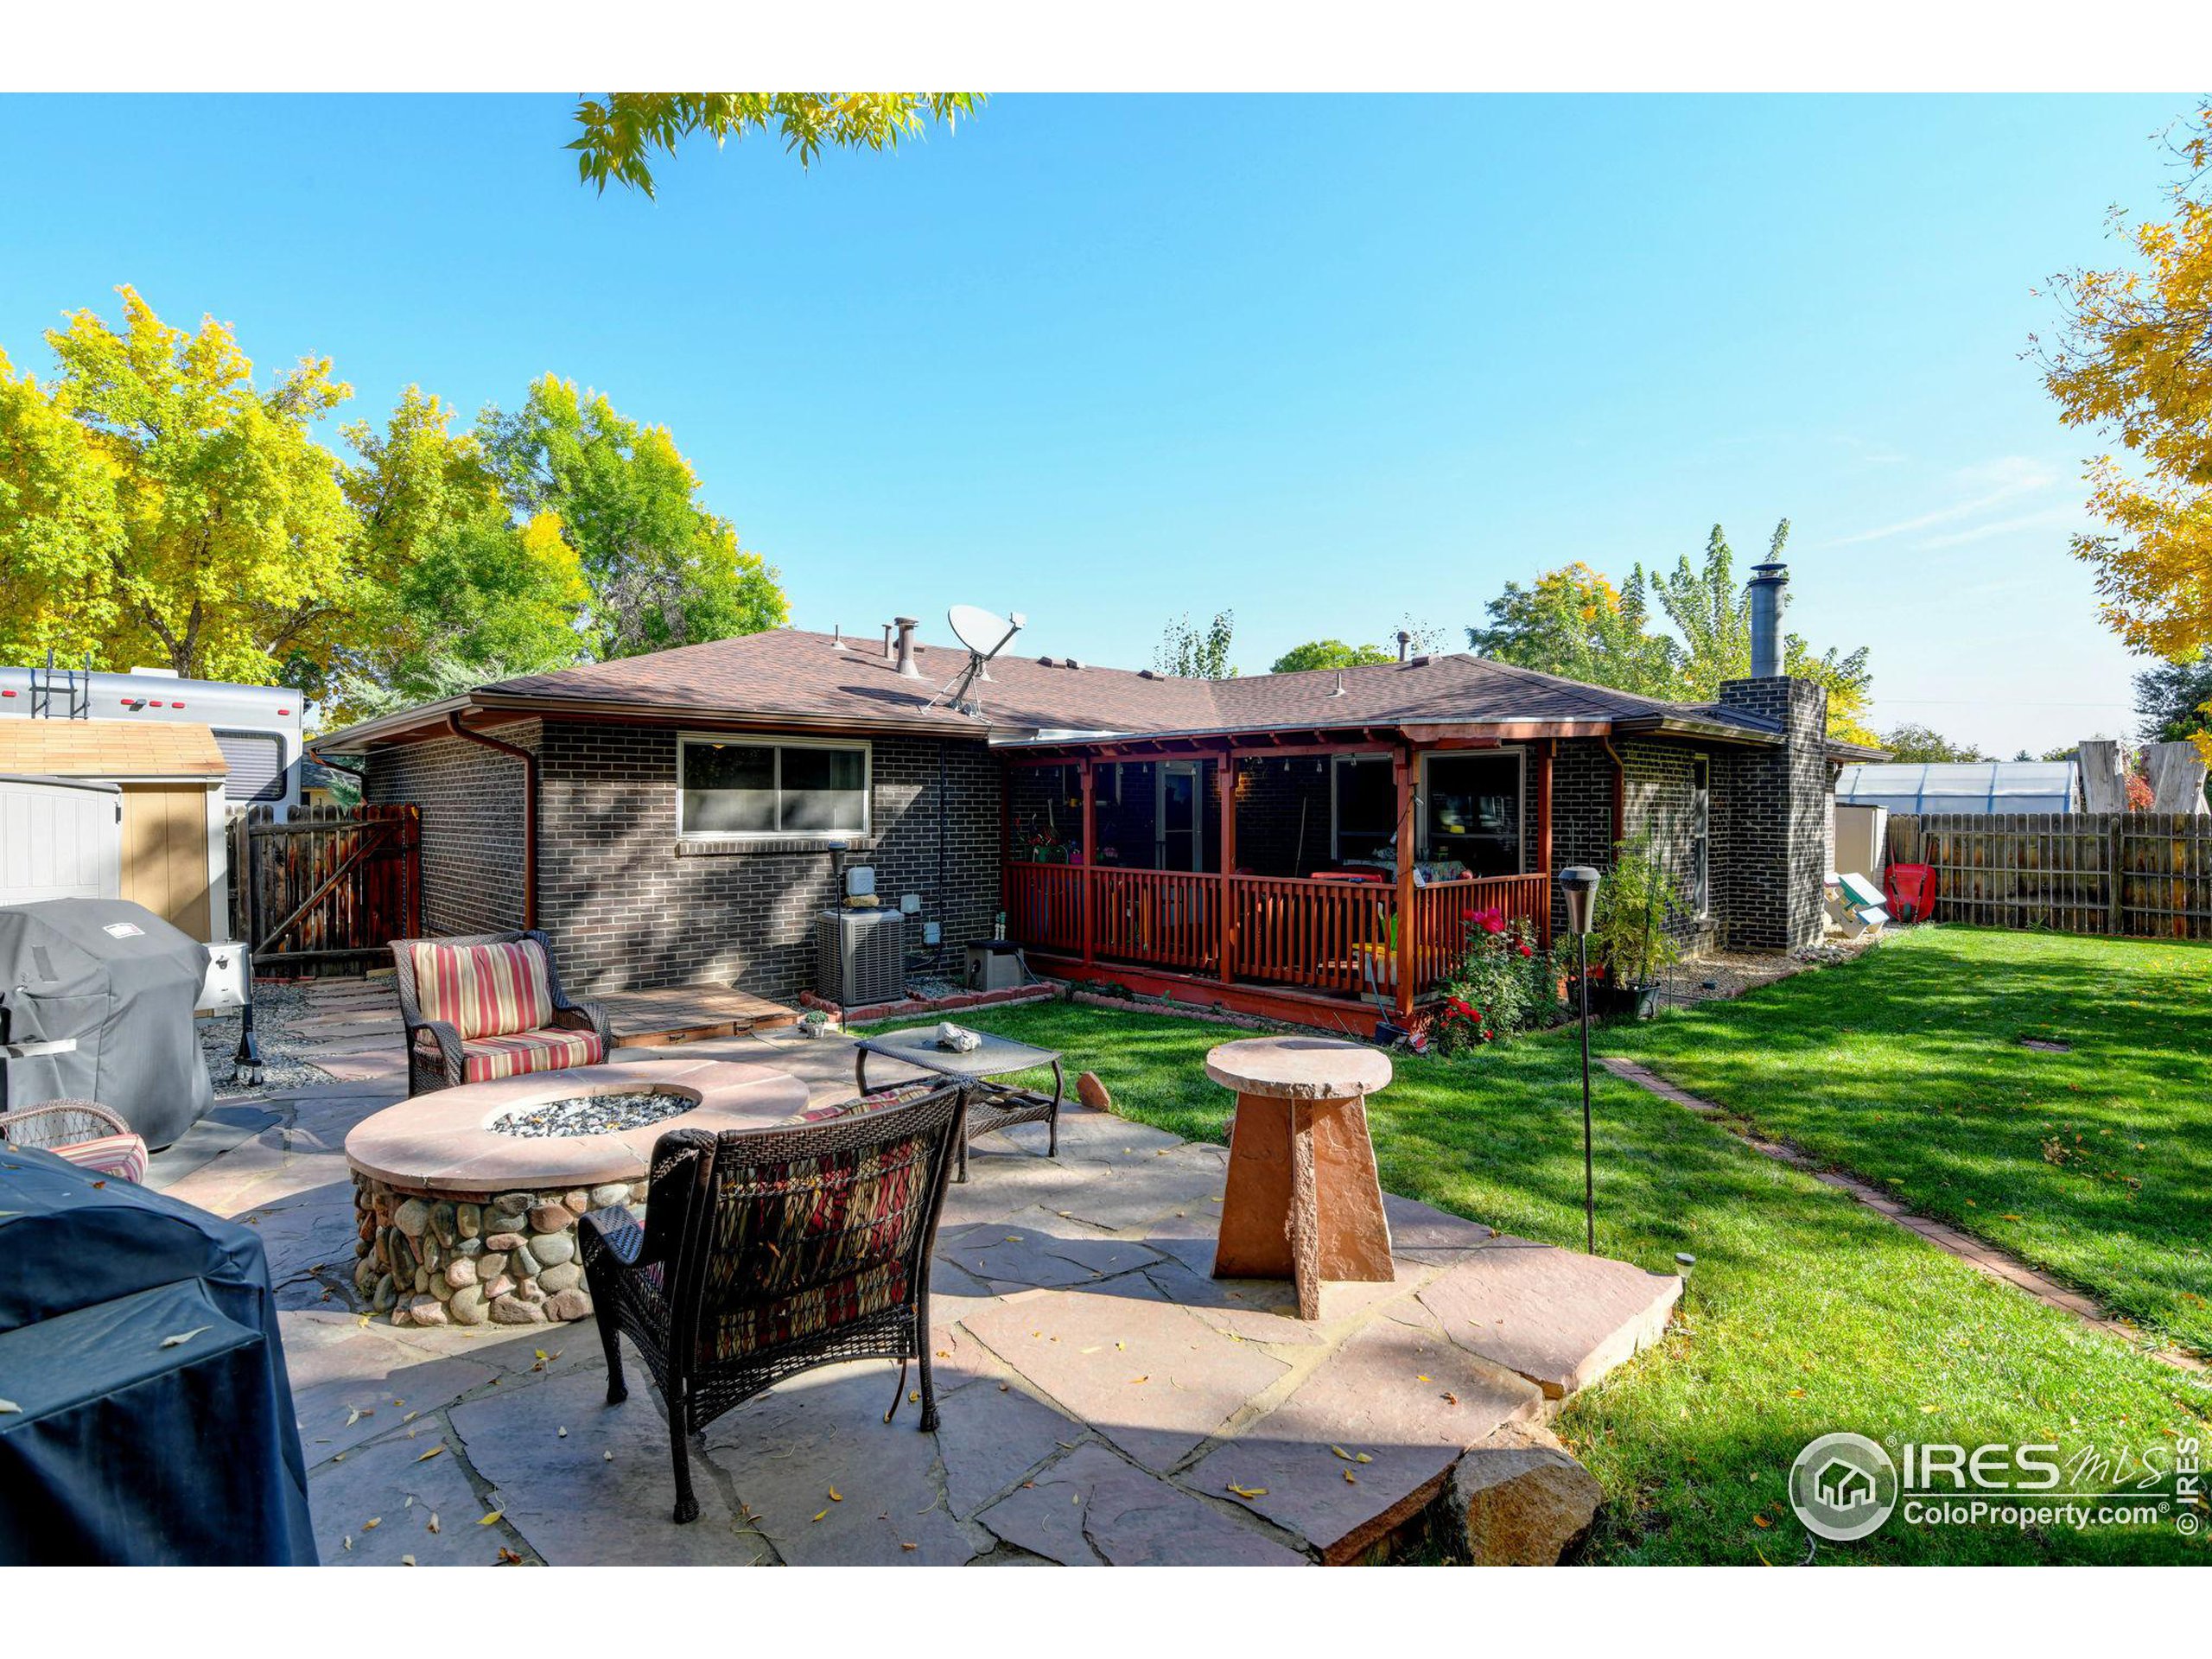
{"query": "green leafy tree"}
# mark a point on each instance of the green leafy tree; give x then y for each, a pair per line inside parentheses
(155, 506)
(1328, 653)
(622, 131)
(454, 586)
(1925, 745)
(2174, 700)
(1191, 653)
(1712, 613)
(663, 570)
(1575, 623)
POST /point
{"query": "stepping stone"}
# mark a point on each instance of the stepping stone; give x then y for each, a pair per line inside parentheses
(820, 1431)
(375, 1482)
(569, 1500)
(365, 1372)
(1092, 1508)
(1404, 1396)
(362, 1068)
(1033, 1248)
(1148, 1375)
(1560, 1319)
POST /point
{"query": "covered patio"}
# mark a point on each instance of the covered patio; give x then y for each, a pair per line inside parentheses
(1262, 870)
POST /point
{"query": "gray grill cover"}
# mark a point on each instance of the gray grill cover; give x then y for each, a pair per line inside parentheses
(126, 999)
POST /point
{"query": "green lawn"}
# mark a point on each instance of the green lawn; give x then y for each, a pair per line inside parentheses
(1907, 1068)
(1807, 1312)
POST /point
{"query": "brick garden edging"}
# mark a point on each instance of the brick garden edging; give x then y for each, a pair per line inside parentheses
(1983, 1257)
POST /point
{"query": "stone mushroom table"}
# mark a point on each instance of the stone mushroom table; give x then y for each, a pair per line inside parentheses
(1303, 1202)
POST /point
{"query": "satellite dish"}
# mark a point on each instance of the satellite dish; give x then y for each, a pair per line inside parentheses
(986, 634)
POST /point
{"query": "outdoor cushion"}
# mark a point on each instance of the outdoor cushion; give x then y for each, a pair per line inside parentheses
(484, 990)
(750, 1328)
(486, 1058)
(123, 1156)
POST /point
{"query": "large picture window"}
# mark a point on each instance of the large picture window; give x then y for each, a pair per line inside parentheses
(738, 786)
(1472, 809)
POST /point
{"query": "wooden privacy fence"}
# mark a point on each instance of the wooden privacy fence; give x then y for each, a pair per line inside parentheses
(2141, 874)
(329, 889)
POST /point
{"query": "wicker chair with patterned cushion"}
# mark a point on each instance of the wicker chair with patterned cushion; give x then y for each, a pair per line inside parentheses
(490, 1005)
(764, 1253)
(88, 1135)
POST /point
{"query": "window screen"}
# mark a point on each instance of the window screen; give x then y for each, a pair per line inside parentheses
(257, 763)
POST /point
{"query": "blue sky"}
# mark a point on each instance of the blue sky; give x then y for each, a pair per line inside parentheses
(1330, 362)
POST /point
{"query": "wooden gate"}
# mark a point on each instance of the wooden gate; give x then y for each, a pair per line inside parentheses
(328, 889)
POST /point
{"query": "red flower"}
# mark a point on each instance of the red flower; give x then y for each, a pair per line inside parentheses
(1491, 921)
(1521, 945)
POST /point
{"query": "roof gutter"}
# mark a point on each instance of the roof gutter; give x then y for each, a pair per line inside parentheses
(1719, 731)
(529, 809)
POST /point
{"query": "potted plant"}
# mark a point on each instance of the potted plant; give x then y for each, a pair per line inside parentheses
(815, 1022)
(1630, 937)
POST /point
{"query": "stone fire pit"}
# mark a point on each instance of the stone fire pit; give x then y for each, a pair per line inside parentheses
(468, 1199)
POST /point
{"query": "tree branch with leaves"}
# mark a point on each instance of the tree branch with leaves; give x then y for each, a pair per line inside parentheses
(621, 133)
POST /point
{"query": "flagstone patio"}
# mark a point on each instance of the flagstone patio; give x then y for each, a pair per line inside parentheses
(1102, 1398)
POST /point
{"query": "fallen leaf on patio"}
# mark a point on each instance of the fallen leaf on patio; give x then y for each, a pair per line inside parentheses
(1348, 1481)
(364, 1321)
(609, 1456)
(183, 1337)
(913, 1395)
(432, 1453)
(1362, 1457)
(1094, 1348)
(910, 1546)
(560, 1434)
(818, 1517)
(491, 1518)
(1418, 1378)
(409, 1504)
(508, 1557)
(407, 1561)
(410, 1416)
(353, 1416)
(835, 1497)
(1146, 1377)
(1248, 1491)
(1450, 1398)
(1341, 1452)
(432, 1526)
(373, 1523)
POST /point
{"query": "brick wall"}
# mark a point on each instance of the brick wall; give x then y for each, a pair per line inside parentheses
(472, 802)
(632, 905)
(1770, 820)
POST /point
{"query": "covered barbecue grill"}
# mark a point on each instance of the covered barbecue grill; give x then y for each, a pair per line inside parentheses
(96, 1003)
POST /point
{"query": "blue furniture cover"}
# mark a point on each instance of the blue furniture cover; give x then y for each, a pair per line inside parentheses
(125, 1445)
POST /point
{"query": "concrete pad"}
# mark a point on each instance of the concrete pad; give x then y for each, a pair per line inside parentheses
(1402, 1396)
(821, 1432)
(1146, 1374)
(391, 1485)
(572, 1503)
(1092, 1508)
(991, 1439)
(347, 1392)
(1560, 1319)
(1144, 1189)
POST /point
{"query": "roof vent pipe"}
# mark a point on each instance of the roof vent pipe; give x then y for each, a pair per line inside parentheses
(906, 625)
(1405, 640)
(838, 637)
(887, 642)
(1766, 584)
(1337, 690)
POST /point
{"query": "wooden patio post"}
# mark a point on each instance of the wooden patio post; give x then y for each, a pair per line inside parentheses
(1544, 834)
(1224, 783)
(1088, 873)
(1402, 764)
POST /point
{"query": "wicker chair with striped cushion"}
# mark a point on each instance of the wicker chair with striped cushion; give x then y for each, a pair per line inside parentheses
(490, 1005)
(88, 1135)
(764, 1253)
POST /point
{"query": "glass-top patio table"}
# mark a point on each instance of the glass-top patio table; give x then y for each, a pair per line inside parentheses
(992, 1105)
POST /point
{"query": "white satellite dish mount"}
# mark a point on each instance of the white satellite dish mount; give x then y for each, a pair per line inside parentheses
(986, 634)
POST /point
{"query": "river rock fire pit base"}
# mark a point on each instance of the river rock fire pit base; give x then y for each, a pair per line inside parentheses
(462, 1221)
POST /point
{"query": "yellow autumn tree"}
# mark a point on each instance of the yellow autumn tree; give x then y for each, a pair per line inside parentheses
(2132, 362)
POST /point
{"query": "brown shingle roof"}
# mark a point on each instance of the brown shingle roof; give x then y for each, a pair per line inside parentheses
(795, 674)
(110, 748)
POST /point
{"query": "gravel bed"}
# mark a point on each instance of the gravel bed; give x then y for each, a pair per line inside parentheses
(592, 1114)
(274, 1007)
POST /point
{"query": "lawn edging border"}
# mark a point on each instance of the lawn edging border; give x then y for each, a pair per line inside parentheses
(1978, 1254)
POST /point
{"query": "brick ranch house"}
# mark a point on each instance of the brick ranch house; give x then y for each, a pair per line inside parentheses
(668, 819)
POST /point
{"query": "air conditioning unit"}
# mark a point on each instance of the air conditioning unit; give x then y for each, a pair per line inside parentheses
(859, 957)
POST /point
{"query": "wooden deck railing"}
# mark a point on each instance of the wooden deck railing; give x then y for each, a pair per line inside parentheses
(1332, 936)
